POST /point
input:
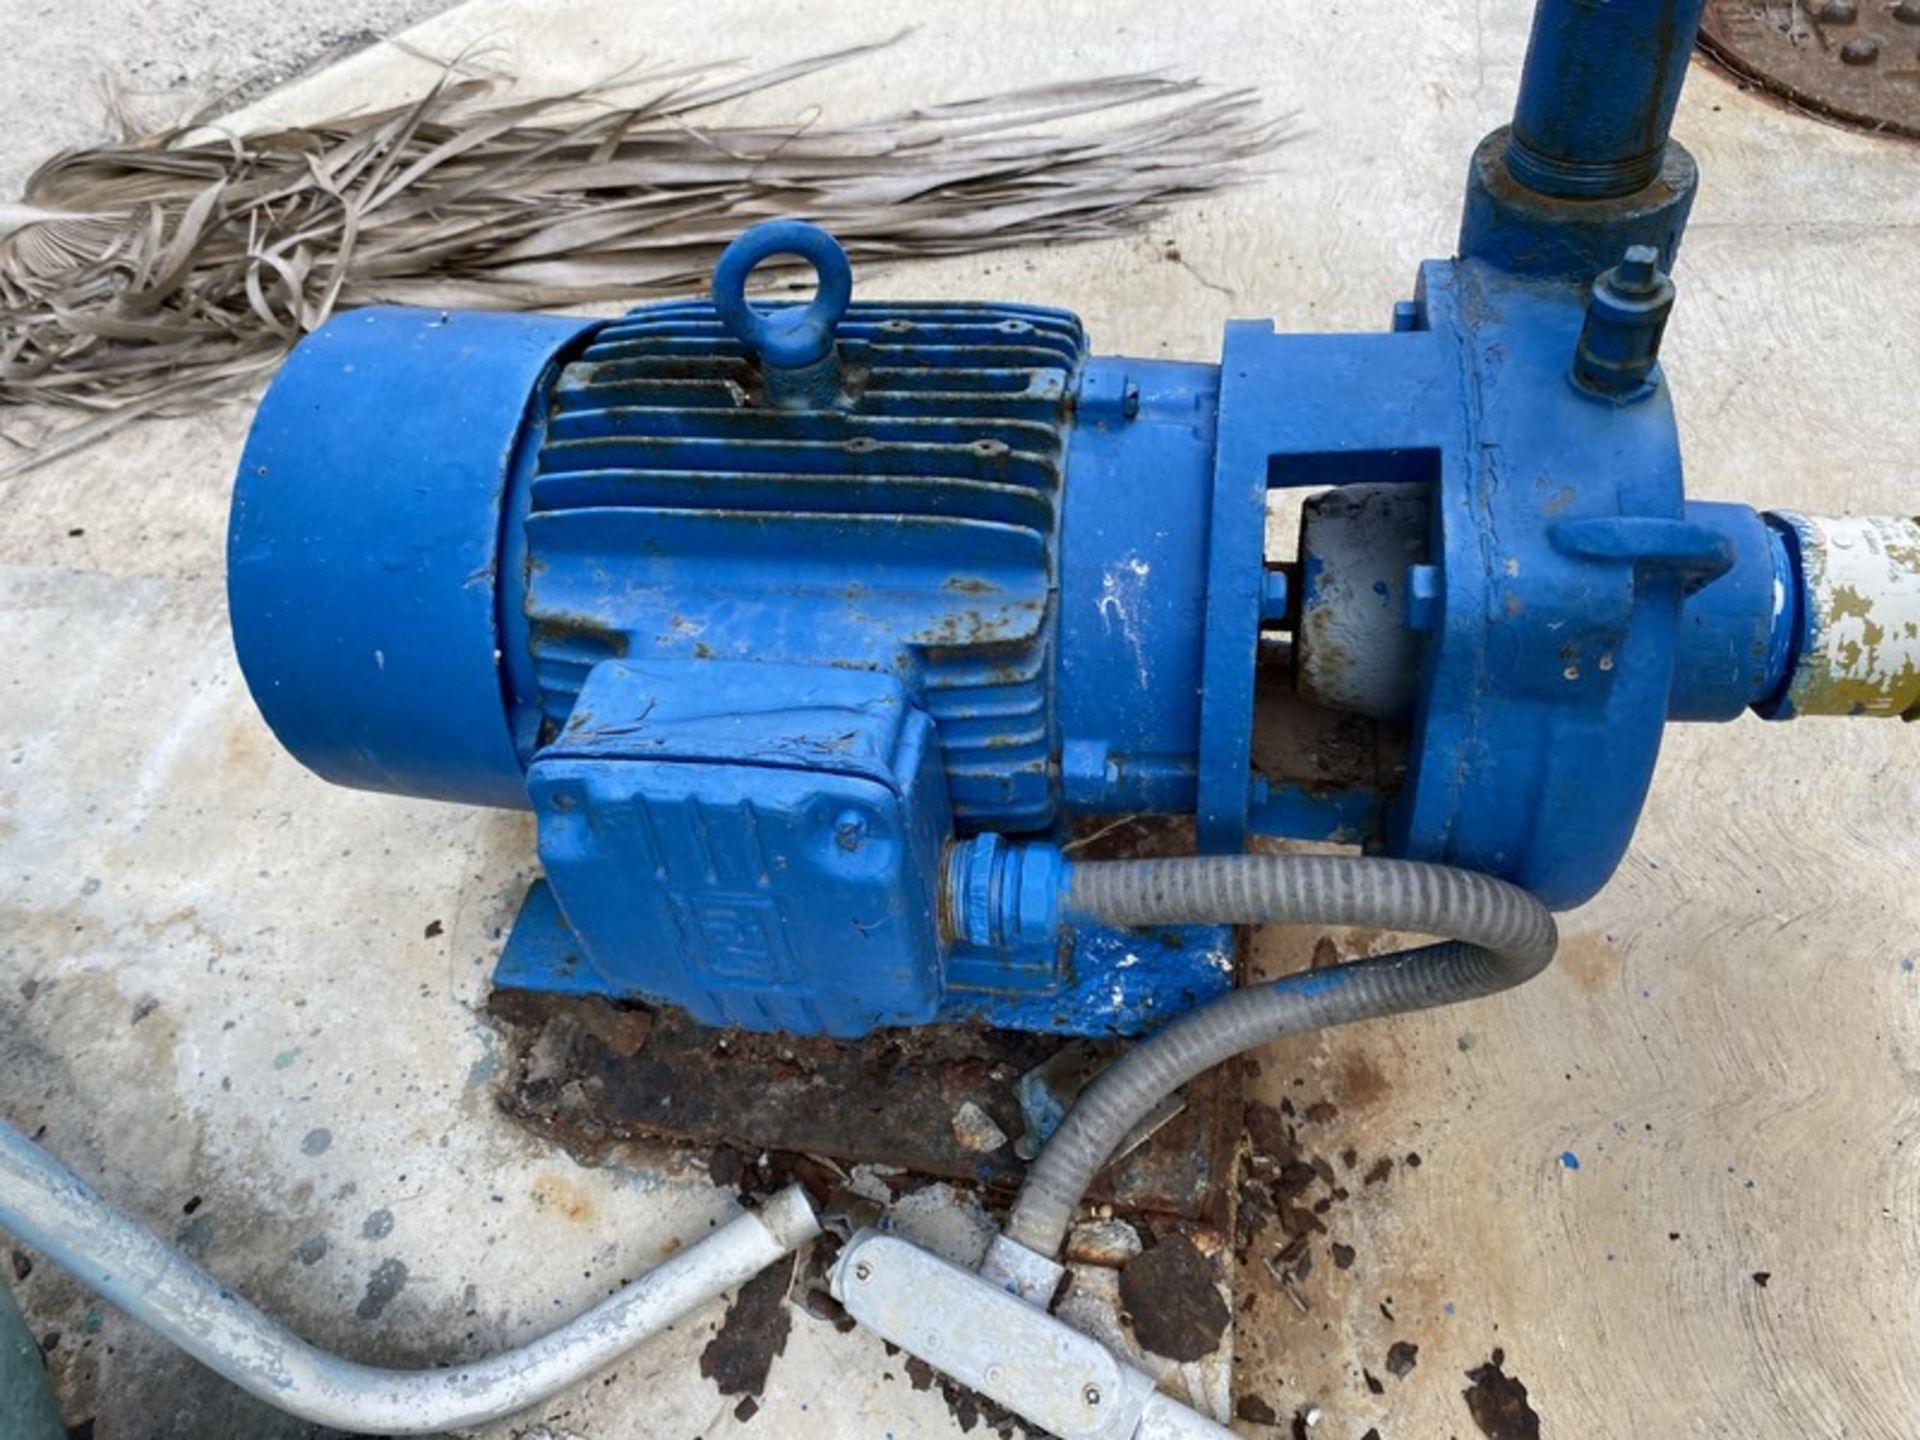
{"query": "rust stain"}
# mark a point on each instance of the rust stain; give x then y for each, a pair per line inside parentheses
(246, 755)
(1591, 962)
(557, 1195)
(1358, 1082)
(696, 1088)
(162, 930)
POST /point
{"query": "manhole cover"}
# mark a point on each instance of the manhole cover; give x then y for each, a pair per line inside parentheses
(1856, 61)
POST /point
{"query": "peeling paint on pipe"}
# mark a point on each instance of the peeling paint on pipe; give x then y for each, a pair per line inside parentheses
(1859, 617)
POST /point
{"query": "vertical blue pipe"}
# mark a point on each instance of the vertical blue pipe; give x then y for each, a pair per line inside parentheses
(1598, 93)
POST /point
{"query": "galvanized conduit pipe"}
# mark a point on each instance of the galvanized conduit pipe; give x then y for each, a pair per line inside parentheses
(1504, 937)
(52, 1209)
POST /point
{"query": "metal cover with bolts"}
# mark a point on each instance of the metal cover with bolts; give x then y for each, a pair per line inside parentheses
(1854, 61)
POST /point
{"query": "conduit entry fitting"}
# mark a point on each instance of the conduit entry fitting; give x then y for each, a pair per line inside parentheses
(809, 631)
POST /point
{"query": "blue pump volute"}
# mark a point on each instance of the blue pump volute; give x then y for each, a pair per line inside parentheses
(786, 620)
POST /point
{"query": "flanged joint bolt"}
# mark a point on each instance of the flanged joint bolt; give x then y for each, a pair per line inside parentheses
(1626, 316)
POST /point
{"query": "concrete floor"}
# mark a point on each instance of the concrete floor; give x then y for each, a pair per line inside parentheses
(246, 1004)
(72, 63)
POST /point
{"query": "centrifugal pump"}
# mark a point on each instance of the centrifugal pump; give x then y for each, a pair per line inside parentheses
(808, 631)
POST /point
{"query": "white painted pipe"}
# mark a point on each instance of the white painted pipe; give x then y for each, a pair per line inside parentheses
(52, 1209)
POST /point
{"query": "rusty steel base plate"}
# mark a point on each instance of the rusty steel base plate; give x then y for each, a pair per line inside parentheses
(591, 1074)
(1854, 61)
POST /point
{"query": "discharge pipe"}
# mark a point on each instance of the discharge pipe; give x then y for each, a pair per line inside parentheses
(1598, 93)
(52, 1209)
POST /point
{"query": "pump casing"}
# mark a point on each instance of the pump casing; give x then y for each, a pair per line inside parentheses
(809, 633)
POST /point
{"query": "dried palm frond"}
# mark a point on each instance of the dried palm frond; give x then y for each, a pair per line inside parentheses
(157, 275)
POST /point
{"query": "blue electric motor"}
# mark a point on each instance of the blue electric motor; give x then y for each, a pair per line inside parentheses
(808, 632)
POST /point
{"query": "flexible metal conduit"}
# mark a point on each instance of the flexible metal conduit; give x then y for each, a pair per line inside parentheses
(1503, 937)
(51, 1208)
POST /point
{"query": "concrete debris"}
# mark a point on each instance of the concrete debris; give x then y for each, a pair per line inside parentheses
(952, 1223)
(1111, 1243)
(976, 1131)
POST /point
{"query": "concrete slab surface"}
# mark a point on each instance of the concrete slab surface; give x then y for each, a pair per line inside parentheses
(247, 1005)
(72, 63)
